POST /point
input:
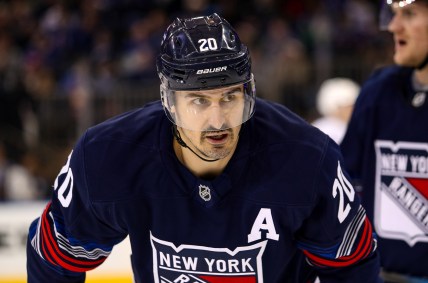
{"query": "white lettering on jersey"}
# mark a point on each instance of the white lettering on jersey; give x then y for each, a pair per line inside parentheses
(344, 187)
(182, 279)
(263, 221)
(230, 265)
(67, 183)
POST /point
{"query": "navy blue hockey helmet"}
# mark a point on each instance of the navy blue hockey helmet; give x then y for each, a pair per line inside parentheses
(203, 53)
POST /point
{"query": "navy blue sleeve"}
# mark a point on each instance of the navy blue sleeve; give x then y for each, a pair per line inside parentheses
(357, 143)
(73, 235)
(338, 239)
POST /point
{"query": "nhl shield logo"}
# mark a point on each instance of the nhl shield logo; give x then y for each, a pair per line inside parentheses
(401, 191)
(204, 193)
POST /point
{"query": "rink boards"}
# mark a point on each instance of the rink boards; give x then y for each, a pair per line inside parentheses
(15, 218)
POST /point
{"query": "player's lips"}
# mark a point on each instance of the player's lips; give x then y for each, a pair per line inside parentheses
(216, 138)
(400, 43)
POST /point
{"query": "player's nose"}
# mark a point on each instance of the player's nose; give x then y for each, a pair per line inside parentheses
(395, 24)
(216, 117)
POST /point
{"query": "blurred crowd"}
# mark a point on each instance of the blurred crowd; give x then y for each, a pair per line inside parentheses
(59, 59)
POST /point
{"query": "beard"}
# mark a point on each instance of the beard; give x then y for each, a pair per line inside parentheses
(217, 151)
(212, 151)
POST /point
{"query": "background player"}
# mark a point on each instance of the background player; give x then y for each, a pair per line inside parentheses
(335, 102)
(228, 188)
(386, 145)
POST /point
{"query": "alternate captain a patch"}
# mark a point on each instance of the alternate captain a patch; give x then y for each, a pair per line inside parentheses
(189, 263)
(401, 197)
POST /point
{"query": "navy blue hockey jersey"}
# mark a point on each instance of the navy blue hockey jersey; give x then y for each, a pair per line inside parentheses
(386, 151)
(283, 194)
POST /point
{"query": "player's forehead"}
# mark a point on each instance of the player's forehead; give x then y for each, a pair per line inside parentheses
(235, 89)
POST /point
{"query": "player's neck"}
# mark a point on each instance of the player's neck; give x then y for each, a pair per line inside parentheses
(200, 168)
(422, 76)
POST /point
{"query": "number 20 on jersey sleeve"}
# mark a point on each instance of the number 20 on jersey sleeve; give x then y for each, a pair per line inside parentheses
(65, 190)
(343, 189)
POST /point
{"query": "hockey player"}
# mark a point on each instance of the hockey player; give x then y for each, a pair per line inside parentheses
(335, 101)
(223, 188)
(386, 145)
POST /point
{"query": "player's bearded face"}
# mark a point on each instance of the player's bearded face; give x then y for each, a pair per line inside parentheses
(210, 120)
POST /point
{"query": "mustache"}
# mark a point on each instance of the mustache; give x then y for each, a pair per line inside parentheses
(212, 130)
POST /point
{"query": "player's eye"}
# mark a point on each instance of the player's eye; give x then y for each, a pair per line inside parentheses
(232, 95)
(200, 101)
(229, 97)
(408, 13)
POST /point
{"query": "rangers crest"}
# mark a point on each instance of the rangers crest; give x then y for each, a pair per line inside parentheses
(189, 263)
(401, 197)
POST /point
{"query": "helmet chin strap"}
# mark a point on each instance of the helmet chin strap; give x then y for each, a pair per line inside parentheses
(180, 141)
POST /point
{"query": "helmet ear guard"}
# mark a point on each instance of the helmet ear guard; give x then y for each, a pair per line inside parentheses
(167, 103)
